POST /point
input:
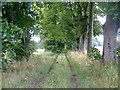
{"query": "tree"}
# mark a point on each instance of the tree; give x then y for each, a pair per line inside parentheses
(56, 24)
(90, 27)
(21, 20)
(110, 31)
(110, 36)
(64, 22)
(82, 21)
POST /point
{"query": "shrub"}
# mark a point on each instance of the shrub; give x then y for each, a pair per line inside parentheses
(95, 54)
(53, 45)
(118, 52)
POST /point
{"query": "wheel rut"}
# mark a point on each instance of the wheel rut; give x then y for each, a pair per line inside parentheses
(36, 83)
(73, 80)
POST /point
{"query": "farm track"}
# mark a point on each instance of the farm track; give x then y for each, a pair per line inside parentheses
(73, 80)
(37, 82)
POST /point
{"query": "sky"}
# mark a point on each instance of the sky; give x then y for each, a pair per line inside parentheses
(100, 37)
(35, 38)
(102, 21)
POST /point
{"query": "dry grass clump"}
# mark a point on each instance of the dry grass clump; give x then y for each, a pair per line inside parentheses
(93, 74)
(80, 58)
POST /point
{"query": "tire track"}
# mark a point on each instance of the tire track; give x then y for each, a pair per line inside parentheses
(73, 80)
(36, 83)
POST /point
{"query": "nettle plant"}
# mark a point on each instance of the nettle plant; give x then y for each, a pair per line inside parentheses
(95, 54)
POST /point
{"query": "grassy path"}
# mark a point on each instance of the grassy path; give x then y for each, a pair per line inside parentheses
(60, 75)
(63, 66)
(78, 72)
(37, 82)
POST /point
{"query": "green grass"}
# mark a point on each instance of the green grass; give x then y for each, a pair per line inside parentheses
(90, 74)
(60, 76)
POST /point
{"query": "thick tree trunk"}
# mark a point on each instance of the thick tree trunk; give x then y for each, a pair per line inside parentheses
(90, 26)
(82, 43)
(110, 37)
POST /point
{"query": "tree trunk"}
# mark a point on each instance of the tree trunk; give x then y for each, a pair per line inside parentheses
(110, 38)
(77, 42)
(27, 43)
(27, 38)
(90, 26)
(82, 43)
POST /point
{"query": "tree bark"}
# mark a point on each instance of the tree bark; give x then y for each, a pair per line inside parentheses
(110, 38)
(82, 43)
(90, 27)
(27, 43)
(77, 42)
(27, 39)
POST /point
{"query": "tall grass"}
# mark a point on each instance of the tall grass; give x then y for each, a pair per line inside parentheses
(21, 74)
(92, 74)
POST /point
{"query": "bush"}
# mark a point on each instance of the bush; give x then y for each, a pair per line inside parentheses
(53, 45)
(118, 52)
(95, 54)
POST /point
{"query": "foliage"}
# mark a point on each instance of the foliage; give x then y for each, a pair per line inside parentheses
(95, 54)
(53, 46)
(97, 28)
(11, 45)
(16, 32)
(59, 25)
(17, 22)
(6, 44)
(111, 8)
(118, 52)
(118, 49)
(64, 22)
(55, 24)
